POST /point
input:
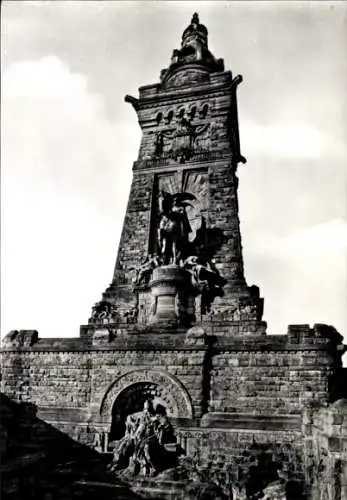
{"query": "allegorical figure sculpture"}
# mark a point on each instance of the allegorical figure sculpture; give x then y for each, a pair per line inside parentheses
(145, 270)
(174, 227)
(143, 446)
(185, 264)
(203, 272)
(103, 310)
(183, 140)
(205, 279)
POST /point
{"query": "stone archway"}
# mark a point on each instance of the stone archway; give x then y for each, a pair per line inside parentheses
(129, 392)
(131, 400)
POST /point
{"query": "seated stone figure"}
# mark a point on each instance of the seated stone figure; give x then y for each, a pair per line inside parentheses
(203, 273)
(146, 268)
(143, 446)
(205, 279)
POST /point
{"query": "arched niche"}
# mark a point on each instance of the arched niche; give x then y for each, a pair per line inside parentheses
(128, 393)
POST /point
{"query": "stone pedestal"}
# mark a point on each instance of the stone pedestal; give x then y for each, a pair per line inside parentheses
(166, 285)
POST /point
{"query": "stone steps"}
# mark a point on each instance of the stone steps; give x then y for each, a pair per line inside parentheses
(139, 488)
(88, 490)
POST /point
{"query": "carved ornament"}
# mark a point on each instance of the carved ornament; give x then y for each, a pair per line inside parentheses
(187, 77)
(181, 402)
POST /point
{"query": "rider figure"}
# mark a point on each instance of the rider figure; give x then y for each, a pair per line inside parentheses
(174, 227)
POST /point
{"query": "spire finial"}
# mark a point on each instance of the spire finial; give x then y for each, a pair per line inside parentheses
(194, 49)
(195, 18)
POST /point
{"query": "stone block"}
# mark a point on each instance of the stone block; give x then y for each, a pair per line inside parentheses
(21, 338)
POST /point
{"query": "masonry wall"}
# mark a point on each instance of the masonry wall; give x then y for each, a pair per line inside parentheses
(326, 451)
(263, 376)
(231, 453)
(248, 396)
(269, 382)
(223, 214)
(47, 378)
(135, 234)
(68, 387)
(185, 365)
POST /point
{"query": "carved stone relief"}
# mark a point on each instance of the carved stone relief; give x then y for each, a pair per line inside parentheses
(186, 77)
(244, 311)
(180, 401)
(181, 142)
(210, 137)
(195, 183)
(104, 312)
(179, 237)
(182, 132)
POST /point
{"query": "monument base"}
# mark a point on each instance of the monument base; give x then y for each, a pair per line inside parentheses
(166, 286)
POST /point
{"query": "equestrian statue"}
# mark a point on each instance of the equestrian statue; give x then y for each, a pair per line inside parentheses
(174, 227)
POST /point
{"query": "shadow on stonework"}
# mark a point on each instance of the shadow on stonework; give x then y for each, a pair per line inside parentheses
(259, 477)
(41, 463)
(38, 462)
(338, 385)
(209, 241)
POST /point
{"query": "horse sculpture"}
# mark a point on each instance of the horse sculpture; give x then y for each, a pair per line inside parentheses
(174, 227)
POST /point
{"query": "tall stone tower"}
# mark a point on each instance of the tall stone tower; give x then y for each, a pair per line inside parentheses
(180, 256)
(179, 326)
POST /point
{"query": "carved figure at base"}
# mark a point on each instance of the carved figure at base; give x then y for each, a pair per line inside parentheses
(203, 272)
(131, 315)
(205, 279)
(104, 310)
(146, 268)
(142, 449)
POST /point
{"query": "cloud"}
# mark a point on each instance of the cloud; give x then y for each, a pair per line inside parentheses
(292, 141)
(64, 192)
(47, 78)
(56, 131)
(302, 275)
(54, 266)
(313, 242)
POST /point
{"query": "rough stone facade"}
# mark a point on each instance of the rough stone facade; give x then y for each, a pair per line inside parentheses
(230, 390)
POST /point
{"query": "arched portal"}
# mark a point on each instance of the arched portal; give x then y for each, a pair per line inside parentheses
(131, 400)
(128, 393)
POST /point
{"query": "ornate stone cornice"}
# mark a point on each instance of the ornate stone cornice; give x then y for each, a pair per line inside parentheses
(160, 101)
(213, 159)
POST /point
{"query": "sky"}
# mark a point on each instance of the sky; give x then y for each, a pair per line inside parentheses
(68, 142)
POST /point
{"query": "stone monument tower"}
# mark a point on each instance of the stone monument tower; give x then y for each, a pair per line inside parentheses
(180, 256)
(178, 327)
